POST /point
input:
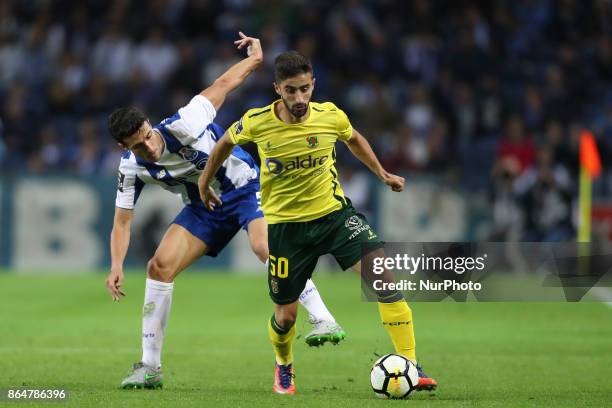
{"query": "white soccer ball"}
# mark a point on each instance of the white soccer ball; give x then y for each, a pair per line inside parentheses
(393, 377)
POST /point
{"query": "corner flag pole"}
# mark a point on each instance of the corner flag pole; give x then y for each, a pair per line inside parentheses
(585, 205)
(590, 168)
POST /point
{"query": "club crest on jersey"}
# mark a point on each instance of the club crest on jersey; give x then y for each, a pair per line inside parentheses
(161, 174)
(188, 153)
(353, 223)
(312, 141)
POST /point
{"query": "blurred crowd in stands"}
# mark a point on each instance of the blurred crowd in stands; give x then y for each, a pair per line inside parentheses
(488, 95)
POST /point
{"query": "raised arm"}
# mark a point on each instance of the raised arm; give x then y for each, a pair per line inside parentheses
(237, 73)
(359, 146)
(119, 243)
(217, 156)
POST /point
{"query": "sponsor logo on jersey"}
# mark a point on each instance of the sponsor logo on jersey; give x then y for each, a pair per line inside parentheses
(312, 141)
(188, 153)
(275, 166)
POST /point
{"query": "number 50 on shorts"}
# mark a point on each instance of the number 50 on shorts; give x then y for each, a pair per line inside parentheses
(279, 267)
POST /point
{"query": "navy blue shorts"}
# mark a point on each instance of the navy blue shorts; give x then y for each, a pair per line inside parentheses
(217, 228)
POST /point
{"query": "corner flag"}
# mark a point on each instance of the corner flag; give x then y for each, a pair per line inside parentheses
(590, 168)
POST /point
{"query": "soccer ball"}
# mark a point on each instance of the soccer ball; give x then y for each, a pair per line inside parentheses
(393, 377)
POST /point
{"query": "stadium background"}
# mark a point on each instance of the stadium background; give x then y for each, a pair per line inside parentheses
(478, 103)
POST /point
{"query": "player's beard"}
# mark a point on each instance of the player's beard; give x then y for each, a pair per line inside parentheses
(298, 109)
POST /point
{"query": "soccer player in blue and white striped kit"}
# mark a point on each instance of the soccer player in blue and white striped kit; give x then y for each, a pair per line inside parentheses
(172, 155)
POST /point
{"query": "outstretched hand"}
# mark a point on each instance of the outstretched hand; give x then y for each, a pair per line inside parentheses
(253, 45)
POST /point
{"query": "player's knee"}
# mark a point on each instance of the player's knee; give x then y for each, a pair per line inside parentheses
(159, 270)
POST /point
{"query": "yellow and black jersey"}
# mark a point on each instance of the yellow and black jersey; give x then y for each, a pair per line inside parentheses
(298, 179)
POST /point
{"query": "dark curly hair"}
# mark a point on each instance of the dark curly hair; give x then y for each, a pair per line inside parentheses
(289, 64)
(124, 122)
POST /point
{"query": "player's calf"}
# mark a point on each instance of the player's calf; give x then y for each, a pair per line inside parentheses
(286, 315)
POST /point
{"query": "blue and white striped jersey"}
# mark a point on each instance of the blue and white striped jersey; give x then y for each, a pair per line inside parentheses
(189, 137)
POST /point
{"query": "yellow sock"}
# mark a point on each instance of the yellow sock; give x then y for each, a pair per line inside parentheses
(282, 341)
(397, 319)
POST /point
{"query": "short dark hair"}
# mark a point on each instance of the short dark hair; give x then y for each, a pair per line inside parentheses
(289, 64)
(124, 122)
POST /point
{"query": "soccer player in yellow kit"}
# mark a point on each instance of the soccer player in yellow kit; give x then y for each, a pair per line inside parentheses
(305, 207)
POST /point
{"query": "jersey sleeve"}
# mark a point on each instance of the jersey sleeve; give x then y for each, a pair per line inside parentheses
(240, 131)
(189, 123)
(129, 186)
(343, 125)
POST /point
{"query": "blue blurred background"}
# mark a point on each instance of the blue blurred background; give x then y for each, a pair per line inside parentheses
(479, 104)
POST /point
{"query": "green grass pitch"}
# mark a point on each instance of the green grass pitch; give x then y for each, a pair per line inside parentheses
(64, 332)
